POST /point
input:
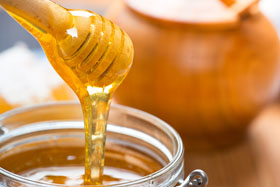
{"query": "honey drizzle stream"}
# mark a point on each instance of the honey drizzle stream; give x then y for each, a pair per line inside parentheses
(93, 81)
(95, 118)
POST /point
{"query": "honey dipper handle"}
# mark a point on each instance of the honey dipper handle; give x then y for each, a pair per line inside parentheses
(44, 14)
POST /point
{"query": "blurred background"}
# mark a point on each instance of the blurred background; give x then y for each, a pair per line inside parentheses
(210, 68)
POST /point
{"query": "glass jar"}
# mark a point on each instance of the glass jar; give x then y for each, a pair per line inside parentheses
(126, 126)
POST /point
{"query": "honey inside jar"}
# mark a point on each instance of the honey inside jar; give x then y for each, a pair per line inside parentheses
(62, 163)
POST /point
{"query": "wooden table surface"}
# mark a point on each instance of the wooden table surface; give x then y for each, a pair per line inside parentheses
(255, 162)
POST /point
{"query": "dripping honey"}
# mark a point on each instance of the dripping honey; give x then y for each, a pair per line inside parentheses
(91, 54)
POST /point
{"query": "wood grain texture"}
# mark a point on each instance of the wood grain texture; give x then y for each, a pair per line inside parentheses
(254, 162)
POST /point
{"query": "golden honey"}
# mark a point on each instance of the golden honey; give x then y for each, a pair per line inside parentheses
(90, 53)
(62, 164)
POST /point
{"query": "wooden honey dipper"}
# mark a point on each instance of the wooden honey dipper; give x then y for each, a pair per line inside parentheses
(89, 43)
(92, 54)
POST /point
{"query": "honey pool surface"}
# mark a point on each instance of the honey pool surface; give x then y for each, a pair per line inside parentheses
(65, 164)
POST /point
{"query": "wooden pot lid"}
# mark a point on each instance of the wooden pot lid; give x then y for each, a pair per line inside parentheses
(199, 12)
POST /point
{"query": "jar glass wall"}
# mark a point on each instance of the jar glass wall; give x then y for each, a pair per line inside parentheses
(130, 128)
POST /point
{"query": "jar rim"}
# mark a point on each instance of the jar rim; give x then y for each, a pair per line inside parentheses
(178, 156)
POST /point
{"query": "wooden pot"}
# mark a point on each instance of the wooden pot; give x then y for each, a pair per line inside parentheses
(206, 70)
